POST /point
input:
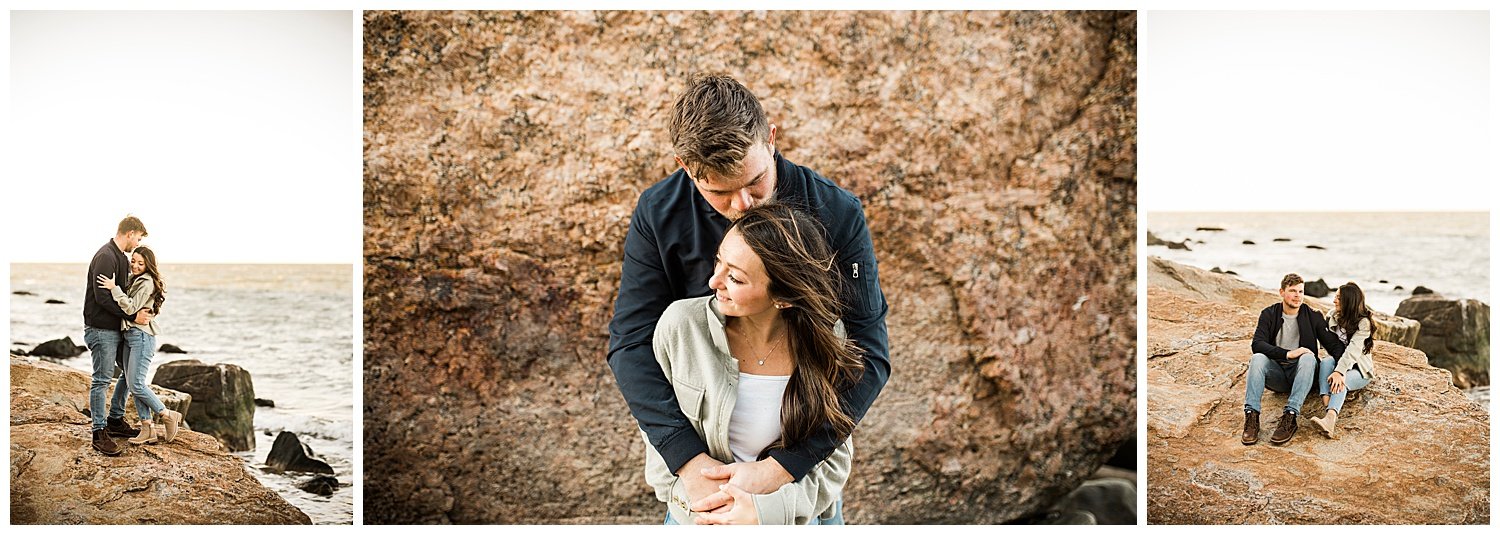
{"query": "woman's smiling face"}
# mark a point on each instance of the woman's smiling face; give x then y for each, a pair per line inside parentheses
(740, 283)
(137, 264)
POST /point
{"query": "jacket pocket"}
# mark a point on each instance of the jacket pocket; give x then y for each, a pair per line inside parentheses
(690, 399)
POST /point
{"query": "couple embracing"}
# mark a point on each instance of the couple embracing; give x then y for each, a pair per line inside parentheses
(123, 295)
(1286, 358)
(749, 334)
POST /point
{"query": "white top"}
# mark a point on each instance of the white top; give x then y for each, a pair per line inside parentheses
(756, 420)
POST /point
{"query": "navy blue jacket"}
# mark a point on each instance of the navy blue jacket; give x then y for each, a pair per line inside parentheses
(99, 308)
(1312, 327)
(669, 255)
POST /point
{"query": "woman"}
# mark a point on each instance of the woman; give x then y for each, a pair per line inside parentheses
(1353, 322)
(759, 365)
(146, 291)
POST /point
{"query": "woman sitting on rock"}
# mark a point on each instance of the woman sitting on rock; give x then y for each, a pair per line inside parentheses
(759, 365)
(146, 291)
(1354, 324)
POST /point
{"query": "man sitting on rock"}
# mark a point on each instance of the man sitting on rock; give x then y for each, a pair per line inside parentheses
(1285, 360)
(101, 331)
(725, 148)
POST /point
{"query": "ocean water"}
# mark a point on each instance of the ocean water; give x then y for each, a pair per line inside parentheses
(290, 326)
(1447, 252)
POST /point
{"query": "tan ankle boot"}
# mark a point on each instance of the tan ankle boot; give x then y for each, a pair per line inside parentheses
(147, 435)
(172, 419)
(1328, 423)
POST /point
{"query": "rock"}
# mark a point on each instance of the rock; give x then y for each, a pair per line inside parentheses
(1282, 240)
(1108, 501)
(1318, 247)
(1421, 290)
(1317, 288)
(169, 348)
(979, 167)
(1383, 281)
(60, 348)
(1206, 285)
(223, 399)
(1247, 242)
(22, 292)
(1152, 240)
(264, 403)
(57, 477)
(55, 302)
(290, 455)
(320, 485)
(1398, 287)
(1411, 449)
(1210, 229)
(1455, 335)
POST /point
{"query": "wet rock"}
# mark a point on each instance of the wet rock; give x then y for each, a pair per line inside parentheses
(1398, 287)
(1455, 335)
(55, 302)
(1152, 240)
(290, 455)
(1282, 240)
(264, 403)
(320, 485)
(1210, 229)
(1383, 281)
(169, 348)
(505, 151)
(1247, 242)
(1317, 288)
(223, 399)
(22, 292)
(1422, 290)
(57, 478)
(61, 348)
(1317, 247)
(1198, 346)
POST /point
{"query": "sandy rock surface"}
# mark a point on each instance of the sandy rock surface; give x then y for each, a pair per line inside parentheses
(57, 477)
(1412, 449)
(995, 157)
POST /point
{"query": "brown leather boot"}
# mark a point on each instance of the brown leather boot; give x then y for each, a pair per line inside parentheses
(116, 427)
(1285, 429)
(106, 445)
(1252, 428)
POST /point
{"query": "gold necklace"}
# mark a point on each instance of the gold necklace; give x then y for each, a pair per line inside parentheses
(769, 350)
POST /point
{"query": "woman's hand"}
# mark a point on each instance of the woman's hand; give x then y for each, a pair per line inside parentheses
(742, 512)
(106, 282)
(1336, 382)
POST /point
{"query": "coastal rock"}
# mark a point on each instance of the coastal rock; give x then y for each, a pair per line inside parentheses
(1208, 286)
(1282, 240)
(223, 399)
(1455, 335)
(1152, 240)
(290, 455)
(169, 348)
(1422, 290)
(1316, 247)
(1210, 229)
(57, 477)
(55, 302)
(994, 153)
(1411, 449)
(320, 485)
(62, 348)
(259, 402)
(1317, 288)
(1247, 242)
(22, 292)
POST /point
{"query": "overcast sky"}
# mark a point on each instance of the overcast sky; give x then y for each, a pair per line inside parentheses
(232, 135)
(1315, 111)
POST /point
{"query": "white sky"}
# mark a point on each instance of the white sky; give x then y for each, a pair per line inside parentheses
(233, 135)
(1316, 111)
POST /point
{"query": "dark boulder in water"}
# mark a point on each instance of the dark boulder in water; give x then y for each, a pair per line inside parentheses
(56, 302)
(223, 399)
(1455, 335)
(259, 402)
(290, 455)
(1318, 247)
(1211, 229)
(1422, 290)
(1317, 288)
(1247, 242)
(61, 348)
(1282, 239)
(21, 292)
(169, 348)
(320, 485)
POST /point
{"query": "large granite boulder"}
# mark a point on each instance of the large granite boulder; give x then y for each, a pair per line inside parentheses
(995, 157)
(1223, 287)
(1412, 448)
(223, 399)
(1455, 335)
(290, 455)
(56, 477)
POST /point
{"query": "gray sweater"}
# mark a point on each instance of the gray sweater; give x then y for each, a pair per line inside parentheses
(693, 352)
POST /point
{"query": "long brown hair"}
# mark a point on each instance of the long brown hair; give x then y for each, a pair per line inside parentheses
(1350, 309)
(800, 264)
(158, 295)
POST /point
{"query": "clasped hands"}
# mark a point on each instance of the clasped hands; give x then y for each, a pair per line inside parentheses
(721, 493)
(142, 316)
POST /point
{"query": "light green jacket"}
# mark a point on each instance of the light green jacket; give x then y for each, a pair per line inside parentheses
(1354, 352)
(135, 299)
(693, 352)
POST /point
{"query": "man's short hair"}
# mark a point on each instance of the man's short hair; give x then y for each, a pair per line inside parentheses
(1291, 279)
(715, 122)
(131, 223)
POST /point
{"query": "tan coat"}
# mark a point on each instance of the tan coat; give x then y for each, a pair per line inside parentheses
(135, 299)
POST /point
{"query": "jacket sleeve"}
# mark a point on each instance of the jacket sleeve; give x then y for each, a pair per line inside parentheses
(132, 302)
(1355, 348)
(1262, 342)
(796, 503)
(104, 264)
(1330, 341)
(864, 317)
(642, 299)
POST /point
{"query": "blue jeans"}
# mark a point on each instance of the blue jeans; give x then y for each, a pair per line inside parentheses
(1295, 377)
(1352, 381)
(106, 347)
(837, 520)
(142, 347)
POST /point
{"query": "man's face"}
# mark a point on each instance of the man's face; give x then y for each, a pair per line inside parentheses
(133, 240)
(1291, 296)
(756, 184)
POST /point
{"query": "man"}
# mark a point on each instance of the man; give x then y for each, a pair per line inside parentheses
(101, 331)
(1286, 357)
(725, 148)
